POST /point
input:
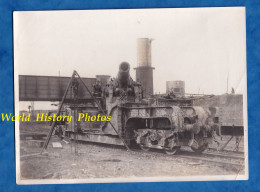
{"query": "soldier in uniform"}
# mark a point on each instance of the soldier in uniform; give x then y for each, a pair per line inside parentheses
(97, 89)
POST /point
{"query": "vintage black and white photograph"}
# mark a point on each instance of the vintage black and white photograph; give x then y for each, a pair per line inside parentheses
(130, 95)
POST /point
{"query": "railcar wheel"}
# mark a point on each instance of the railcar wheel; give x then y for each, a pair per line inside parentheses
(201, 148)
(144, 148)
(172, 151)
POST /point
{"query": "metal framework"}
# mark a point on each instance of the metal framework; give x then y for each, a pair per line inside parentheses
(73, 83)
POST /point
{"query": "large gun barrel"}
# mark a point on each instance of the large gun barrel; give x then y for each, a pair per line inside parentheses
(123, 75)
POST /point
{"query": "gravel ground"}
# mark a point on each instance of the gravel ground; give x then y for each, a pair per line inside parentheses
(106, 161)
(101, 161)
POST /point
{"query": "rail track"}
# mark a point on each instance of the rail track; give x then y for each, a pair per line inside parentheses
(225, 159)
(206, 157)
(219, 158)
(224, 151)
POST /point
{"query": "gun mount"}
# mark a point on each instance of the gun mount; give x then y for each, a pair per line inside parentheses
(123, 77)
(123, 85)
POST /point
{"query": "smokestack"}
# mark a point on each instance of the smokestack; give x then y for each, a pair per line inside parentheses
(144, 69)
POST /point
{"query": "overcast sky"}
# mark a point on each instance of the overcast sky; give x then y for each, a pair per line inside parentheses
(202, 46)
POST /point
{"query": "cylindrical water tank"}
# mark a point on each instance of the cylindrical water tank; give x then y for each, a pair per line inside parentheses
(144, 57)
(175, 87)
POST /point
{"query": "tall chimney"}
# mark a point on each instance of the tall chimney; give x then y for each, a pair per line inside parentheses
(144, 69)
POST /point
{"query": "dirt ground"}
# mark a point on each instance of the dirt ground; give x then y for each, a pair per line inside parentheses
(100, 161)
(107, 161)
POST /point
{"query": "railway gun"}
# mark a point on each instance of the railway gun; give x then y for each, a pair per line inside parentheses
(135, 120)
